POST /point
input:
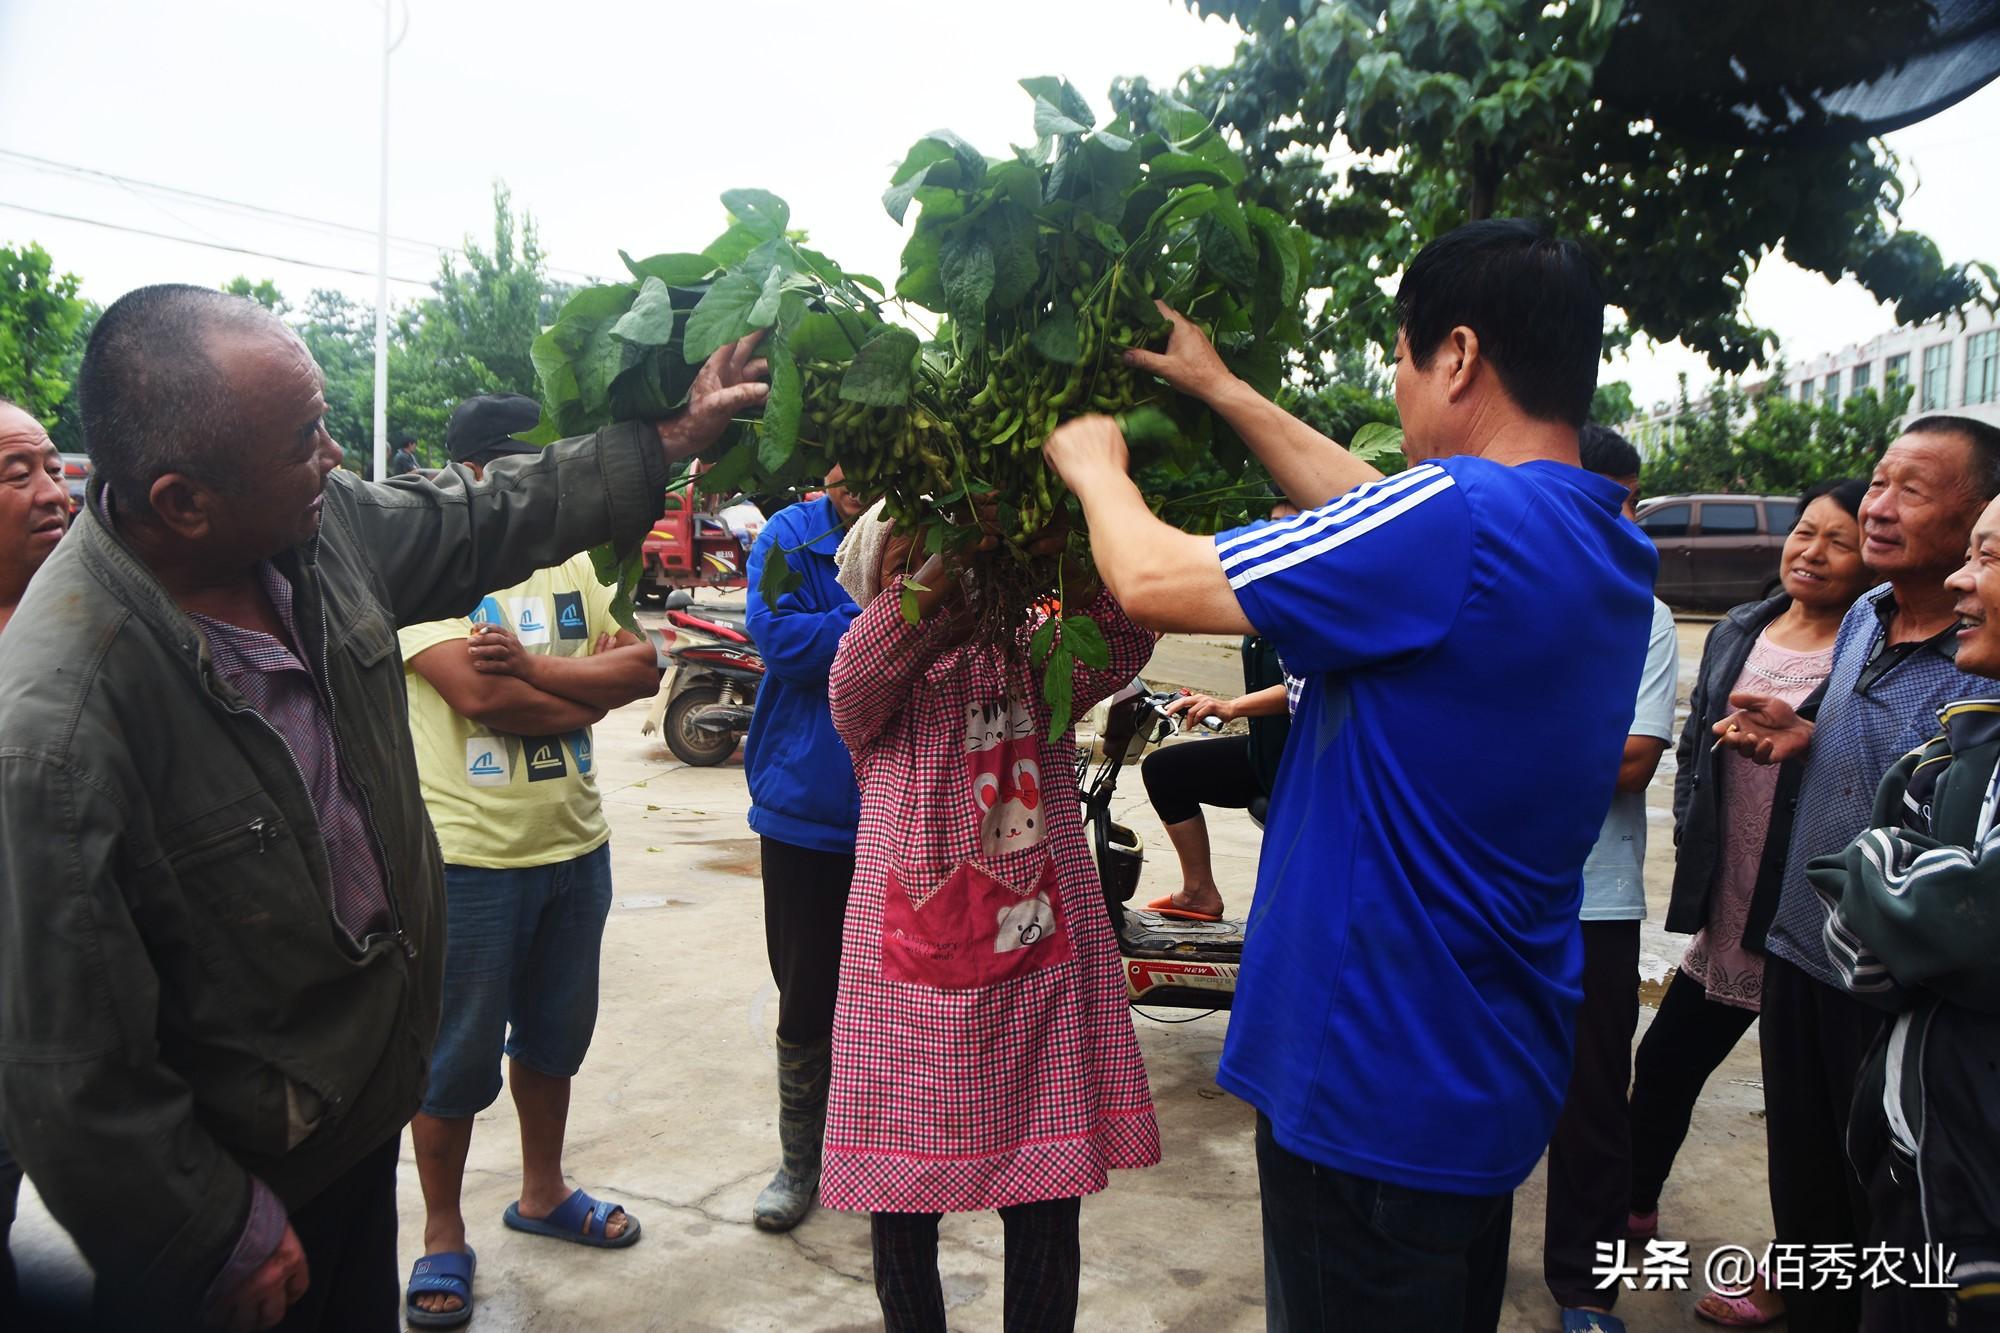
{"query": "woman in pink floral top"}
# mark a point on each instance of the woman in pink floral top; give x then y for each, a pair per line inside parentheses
(1729, 856)
(983, 1054)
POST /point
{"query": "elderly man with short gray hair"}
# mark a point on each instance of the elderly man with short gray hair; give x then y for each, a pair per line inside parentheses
(220, 900)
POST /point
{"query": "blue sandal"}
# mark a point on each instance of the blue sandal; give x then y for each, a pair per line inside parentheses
(446, 1274)
(578, 1219)
(1590, 1321)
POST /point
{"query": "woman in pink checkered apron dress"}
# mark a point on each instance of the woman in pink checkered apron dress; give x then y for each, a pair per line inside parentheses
(983, 1054)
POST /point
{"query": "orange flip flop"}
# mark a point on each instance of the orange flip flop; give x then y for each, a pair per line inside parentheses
(1165, 907)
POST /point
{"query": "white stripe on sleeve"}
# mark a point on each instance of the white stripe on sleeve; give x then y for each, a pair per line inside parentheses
(1269, 535)
(1246, 567)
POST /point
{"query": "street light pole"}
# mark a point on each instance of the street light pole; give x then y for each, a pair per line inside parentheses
(389, 45)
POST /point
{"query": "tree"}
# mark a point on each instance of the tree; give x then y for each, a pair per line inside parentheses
(1612, 403)
(472, 335)
(1773, 445)
(264, 293)
(1379, 126)
(42, 322)
(340, 334)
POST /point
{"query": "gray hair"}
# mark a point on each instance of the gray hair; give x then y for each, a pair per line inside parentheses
(151, 397)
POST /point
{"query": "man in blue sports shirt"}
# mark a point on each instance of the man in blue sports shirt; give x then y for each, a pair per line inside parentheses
(1405, 1018)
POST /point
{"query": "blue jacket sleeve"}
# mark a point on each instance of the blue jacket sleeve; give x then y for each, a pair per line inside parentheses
(799, 636)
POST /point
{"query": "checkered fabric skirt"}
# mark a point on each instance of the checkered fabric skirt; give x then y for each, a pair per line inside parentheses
(954, 1098)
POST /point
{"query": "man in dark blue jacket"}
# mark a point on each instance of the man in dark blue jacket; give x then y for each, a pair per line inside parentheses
(804, 807)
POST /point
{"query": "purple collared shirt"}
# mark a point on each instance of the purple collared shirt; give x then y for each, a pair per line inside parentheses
(284, 692)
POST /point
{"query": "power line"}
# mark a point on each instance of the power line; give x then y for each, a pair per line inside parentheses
(206, 245)
(324, 224)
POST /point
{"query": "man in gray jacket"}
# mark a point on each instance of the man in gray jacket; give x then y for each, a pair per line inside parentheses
(220, 899)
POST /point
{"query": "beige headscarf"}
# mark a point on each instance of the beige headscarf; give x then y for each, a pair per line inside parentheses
(859, 559)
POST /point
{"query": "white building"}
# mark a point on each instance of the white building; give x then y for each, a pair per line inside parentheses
(1952, 366)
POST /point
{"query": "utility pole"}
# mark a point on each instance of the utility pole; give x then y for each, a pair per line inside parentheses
(389, 45)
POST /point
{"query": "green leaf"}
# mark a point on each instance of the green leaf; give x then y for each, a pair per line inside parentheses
(1148, 426)
(1049, 119)
(1043, 640)
(1058, 688)
(1178, 123)
(1374, 442)
(778, 577)
(1085, 641)
(1173, 169)
(765, 312)
(650, 321)
(1056, 336)
(722, 317)
(625, 575)
(966, 265)
(882, 369)
(778, 432)
(729, 473)
(733, 246)
(1016, 264)
(907, 604)
(676, 270)
(762, 212)
(830, 335)
(1063, 96)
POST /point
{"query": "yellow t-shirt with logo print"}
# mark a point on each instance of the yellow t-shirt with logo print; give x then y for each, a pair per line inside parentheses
(499, 801)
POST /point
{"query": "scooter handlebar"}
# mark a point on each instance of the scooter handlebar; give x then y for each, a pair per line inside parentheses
(1159, 701)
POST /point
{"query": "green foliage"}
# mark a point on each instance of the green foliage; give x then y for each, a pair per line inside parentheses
(264, 293)
(1044, 265)
(1612, 403)
(42, 323)
(1774, 445)
(1378, 126)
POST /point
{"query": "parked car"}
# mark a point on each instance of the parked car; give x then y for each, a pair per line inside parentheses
(76, 471)
(1718, 550)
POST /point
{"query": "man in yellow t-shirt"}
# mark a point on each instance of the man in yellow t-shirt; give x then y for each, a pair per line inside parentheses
(501, 706)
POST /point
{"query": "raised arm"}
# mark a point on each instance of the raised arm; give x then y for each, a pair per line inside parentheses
(440, 544)
(1308, 467)
(882, 656)
(1163, 578)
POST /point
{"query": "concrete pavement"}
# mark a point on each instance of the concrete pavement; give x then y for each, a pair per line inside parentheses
(675, 1112)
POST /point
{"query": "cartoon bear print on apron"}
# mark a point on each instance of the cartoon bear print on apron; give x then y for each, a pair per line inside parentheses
(997, 915)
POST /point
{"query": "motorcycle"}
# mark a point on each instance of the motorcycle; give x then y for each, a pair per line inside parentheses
(1167, 962)
(704, 707)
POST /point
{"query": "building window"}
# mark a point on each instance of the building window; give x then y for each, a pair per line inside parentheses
(1860, 379)
(1937, 376)
(1832, 394)
(1896, 372)
(1805, 391)
(1982, 367)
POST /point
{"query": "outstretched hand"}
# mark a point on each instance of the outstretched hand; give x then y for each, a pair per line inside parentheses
(1764, 728)
(1190, 363)
(730, 383)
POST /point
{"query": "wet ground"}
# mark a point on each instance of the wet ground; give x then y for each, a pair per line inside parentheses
(674, 1113)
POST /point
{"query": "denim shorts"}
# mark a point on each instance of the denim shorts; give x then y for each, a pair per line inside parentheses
(520, 975)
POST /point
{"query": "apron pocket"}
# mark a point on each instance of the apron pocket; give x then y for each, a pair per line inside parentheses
(973, 930)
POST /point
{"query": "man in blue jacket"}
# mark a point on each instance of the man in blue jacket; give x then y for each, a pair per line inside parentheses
(804, 807)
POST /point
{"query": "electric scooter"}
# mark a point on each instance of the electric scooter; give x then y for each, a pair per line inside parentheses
(1167, 961)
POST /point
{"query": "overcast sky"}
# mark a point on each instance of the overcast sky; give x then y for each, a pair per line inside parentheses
(619, 122)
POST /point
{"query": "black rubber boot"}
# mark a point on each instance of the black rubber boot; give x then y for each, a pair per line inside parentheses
(802, 1073)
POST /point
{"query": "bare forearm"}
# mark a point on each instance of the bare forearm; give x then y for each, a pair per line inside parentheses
(1641, 761)
(1307, 466)
(605, 680)
(1164, 578)
(1267, 702)
(519, 709)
